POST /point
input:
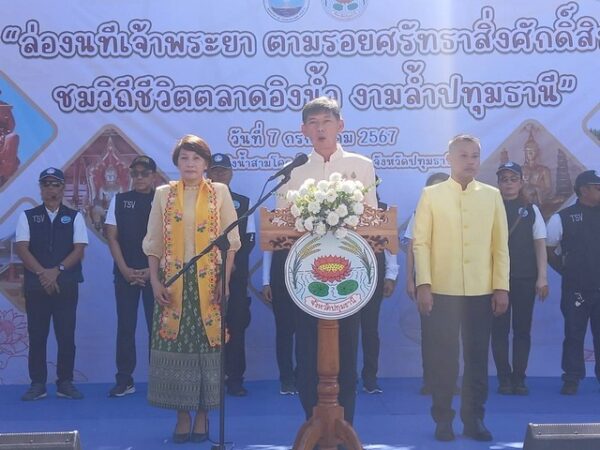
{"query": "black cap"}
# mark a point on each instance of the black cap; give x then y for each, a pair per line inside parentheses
(52, 172)
(145, 161)
(586, 177)
(220, 160)
(512, 166)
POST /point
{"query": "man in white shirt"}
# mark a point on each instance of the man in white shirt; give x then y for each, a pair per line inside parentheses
(322, 123)
(50, 240)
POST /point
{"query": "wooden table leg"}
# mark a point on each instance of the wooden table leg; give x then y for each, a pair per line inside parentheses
(327, 426)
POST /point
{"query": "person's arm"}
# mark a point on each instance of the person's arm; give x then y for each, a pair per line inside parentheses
(391, 273)
(153, 247)
(541, 258)
(161, 293)
(500, 258)
(423, 227)
(411, 289)
(22, 238)
(228, 216)
(132, 276)
(266, 276)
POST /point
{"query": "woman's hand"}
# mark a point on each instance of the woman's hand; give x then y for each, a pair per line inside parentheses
(218, 295)
(162, 294)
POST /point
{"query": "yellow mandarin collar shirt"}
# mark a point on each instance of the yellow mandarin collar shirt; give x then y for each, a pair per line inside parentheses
(461, 239)
(351, 166)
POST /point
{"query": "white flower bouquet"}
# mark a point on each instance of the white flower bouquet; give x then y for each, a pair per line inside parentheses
(327, 205)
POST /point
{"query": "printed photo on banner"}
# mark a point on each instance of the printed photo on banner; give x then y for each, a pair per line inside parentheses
(11, 266)
(591, 124)
(99, 171)
(549, 168)
(25, 130)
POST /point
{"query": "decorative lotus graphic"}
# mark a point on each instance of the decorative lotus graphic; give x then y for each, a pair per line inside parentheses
(329, 277)
(330, 268)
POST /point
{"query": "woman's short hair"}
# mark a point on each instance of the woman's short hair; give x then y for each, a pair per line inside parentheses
(194, 144)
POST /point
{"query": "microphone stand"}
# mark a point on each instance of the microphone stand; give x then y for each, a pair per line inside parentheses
(222, 243)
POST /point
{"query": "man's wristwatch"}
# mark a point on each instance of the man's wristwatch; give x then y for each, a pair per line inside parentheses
(61, 267)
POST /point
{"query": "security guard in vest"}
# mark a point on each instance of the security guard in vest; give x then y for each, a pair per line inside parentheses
(126, 223)
(574, 252)
(50, 240)
(238, 309)
(528, 278)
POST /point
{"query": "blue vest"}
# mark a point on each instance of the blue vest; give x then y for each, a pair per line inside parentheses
(132, 210)
(580, 247)
(50, 242)
(523, 263)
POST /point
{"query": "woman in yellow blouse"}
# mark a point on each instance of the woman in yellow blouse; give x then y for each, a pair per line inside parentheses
(186, 216)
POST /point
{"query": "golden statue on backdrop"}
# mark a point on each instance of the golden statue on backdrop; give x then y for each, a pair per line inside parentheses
(538, 182)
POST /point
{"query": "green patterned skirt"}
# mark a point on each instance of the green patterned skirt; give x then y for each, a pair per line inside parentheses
(184, 373)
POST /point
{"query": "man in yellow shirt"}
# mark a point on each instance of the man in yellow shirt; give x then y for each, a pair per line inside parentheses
(462, 276)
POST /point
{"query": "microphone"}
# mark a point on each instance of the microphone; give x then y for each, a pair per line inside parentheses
(299, 160)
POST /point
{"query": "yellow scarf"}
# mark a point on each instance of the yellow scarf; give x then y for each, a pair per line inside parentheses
(206, 217)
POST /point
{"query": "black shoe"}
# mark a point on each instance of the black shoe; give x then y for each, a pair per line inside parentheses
(569, 388)
(288, 388)
(66, 390)
(181, 438)
(121, 390)
(201, 437)
(520, 388)
(35, 392)
(372, 388)
(477, 430)
(444, 431)
(505, 388)
(237, 391)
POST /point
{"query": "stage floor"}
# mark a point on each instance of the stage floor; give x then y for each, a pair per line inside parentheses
(396, 419)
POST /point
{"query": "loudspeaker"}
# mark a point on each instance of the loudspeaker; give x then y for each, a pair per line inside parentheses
(562, 436)
(63, 440)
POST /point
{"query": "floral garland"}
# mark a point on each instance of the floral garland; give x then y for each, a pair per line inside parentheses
(333, 205)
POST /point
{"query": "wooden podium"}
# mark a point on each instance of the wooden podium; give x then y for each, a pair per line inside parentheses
(327, 427)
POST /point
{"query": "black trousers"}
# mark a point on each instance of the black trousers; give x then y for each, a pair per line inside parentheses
(308, 378)
(579, 307)
(521, 299)
(237, 319)
(471, 317)
(128, 299)
(369, 326)
(426, 351)
(284, 310)
(60, 308)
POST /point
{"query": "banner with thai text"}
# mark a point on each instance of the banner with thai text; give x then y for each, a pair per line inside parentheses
(87, 86)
